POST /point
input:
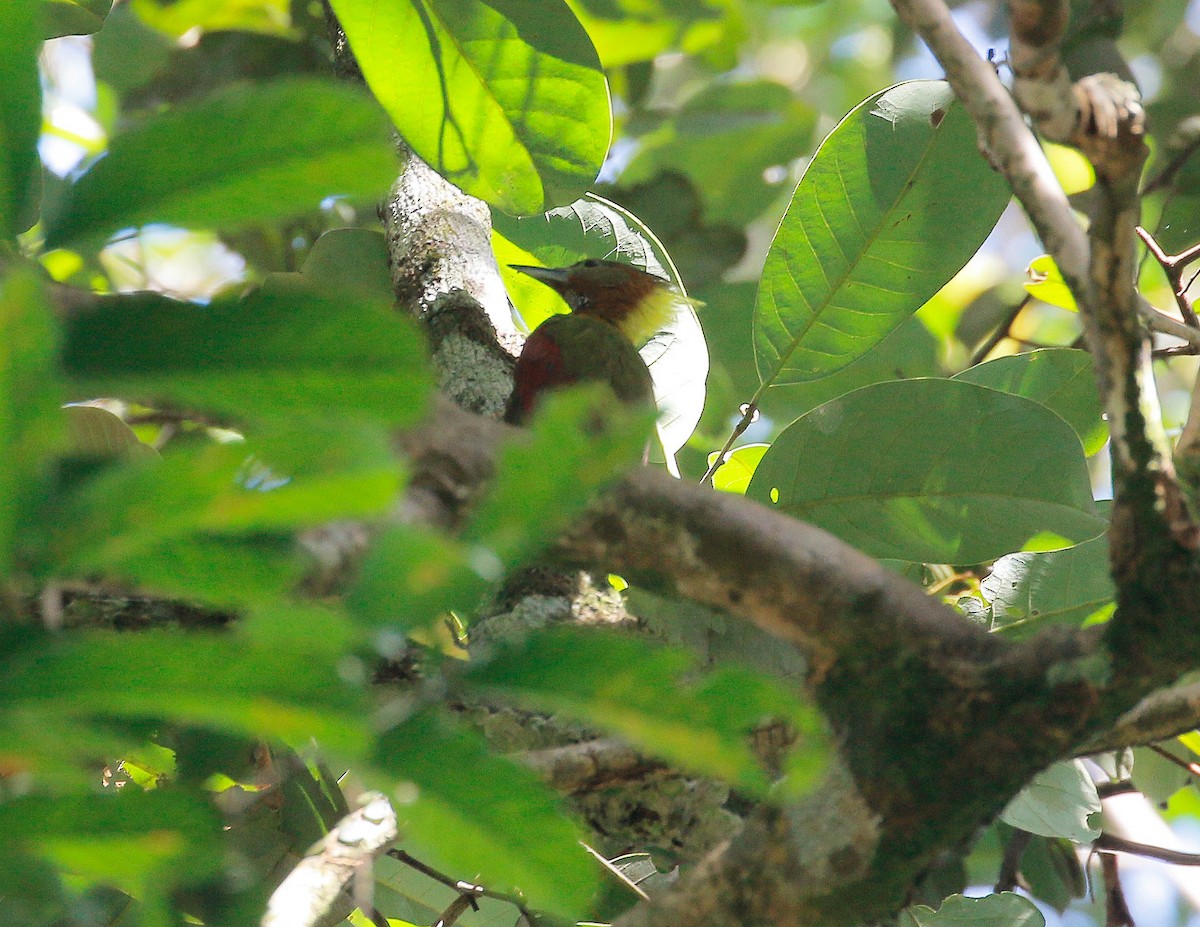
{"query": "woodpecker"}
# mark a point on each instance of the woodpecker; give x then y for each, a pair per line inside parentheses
(615, 308)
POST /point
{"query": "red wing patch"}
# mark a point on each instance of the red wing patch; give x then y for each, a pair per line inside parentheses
(539, 368)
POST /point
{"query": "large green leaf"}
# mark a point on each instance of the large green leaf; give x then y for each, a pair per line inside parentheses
(143, 843)
(214, 522)
(893, 204)
(20, 110)
(1006, 909)
(506, 98)
(217, 681)
(286, 356)
(1061, 379)
(480, 817)
(933, 470)
(1029, 591)
(248, 154)
(1057, 803)
(30, 421)
(594, 227)
(652, 696)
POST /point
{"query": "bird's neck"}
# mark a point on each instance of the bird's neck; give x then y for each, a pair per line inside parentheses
(640, 315)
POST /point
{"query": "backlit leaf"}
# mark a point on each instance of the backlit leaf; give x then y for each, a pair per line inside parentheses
(505, 99)
(247, 154)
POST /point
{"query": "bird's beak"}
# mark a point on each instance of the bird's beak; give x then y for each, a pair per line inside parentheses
(553, 277)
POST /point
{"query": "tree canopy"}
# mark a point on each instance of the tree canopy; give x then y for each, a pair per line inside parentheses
(293, 630)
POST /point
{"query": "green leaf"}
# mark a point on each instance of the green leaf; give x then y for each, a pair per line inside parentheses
(734, 474)
(1061, 379)
(216, 681)
(1029, 592)
(214, 522)
(1003, 910)
(594, 227)
(412, 576)
(175, 17)
(466, 812)
(20, 111)
(1047, 284)
(726, 138)
(287, 358)
(622, 684)
(1057, 804)
(96, 432)
(893, 204)
(296, 143)
(144, 843)
(506, 99)
(350, 261)
(939, 471)
(1053, 872)
(31, 423)
(73, 17)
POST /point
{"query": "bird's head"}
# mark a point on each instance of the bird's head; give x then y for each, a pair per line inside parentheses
(636, 302)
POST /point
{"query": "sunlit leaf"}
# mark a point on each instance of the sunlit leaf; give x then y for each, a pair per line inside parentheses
(464, 811)
(296, 143)
(933, 470)
(1047, 284)
(893, 204)
(735, 472)
(506, 100)
(1029, 591)
(175, 17)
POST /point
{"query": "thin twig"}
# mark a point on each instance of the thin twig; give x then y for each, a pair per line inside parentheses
(1173, 167)
(469, 889)
(749, 414)
(1173, 266)
(1115, 844)
(1116, 908)
(1179, 350)
(1010, 866)
(1193, 768)
(1001, 332)
(456, 909)
(617, 873)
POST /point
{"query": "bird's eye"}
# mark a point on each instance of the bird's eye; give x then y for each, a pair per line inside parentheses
(590, 262)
